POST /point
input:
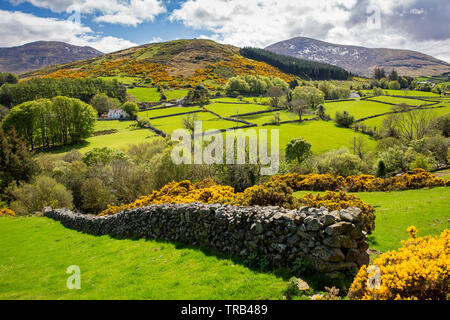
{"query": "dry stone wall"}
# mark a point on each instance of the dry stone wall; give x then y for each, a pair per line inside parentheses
(332, 242)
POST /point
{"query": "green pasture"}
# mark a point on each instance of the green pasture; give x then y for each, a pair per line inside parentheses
(426, 209)
(34, 267)
(358, 108)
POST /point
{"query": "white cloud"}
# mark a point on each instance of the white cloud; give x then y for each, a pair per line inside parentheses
(131, 12)
(261, 23)
(18, 28)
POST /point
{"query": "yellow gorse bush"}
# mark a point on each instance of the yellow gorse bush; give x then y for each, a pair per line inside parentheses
(180, 192)
(160, 74)
(341, 200)
(416, 179)
(268, 194)
(418, 270)
(7, 212)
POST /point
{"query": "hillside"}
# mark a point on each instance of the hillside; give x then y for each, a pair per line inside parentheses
(361, 60)
(36, 55)
(175, 64)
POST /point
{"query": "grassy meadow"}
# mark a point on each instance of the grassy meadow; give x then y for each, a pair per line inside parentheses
(426, 209)
(153, 269)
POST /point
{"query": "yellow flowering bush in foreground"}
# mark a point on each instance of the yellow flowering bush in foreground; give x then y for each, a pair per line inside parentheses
(341, 200)
(416, 179)
(418, 270)
(7, 212)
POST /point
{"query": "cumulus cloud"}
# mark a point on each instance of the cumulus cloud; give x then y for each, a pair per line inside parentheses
(420, 25)
(130, 12)
(17, 28)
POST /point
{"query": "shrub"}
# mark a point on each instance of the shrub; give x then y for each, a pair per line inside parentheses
(102, 156)
(268, 194)
(422, 162)
(142, 122)
(341, 200)
(43, 192)
(344, 119)
(72, 156)
(131, 108)
(96, 196)
(397, 158)
(298, 149)
(180, 192)
(418, 270)
(102, 103)
(7, 212)
(416, 179)
(339, 162)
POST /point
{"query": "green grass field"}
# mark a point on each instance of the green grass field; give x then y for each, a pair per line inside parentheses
(125, 136)
(426, 209)
(358, 108)
(36, 252)
(377, 122)
(408, 93)
(323, 136)
(152, 95)
(395, 100)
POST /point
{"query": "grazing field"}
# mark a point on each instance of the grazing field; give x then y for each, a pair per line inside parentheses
(124, 79)
(166, 111)
(261, 119)
(232, 108)
(409, 93)
(323, 135)
(376, 122)
(209, 122)
(34, 267)
(395, 100)
(145, 94)
(125, 136)
(152, 95)
(358, 108)
(426, 209)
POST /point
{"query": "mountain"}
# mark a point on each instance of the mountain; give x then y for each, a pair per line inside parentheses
(361, 60)
(36, 55)
(175, 64)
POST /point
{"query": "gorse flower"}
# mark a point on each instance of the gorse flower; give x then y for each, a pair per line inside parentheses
(412, 232)
(418, 270)
(268, 194)
(341, 200)
(416, 179)
(7, 212)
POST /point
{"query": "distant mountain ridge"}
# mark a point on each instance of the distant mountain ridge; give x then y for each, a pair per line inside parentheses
(361, 60)
(39, 54)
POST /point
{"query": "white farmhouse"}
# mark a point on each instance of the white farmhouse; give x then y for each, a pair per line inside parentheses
(117, 114)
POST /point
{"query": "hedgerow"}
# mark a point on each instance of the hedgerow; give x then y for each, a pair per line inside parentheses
(418, 270)
(416, 179)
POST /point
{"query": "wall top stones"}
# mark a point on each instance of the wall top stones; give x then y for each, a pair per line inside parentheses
(331, 241)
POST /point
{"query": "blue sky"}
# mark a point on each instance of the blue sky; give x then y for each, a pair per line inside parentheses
(110, 25)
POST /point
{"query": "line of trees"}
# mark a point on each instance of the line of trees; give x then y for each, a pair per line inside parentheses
(299, 67)
(48, 88)
(48, 123)
(253, 84)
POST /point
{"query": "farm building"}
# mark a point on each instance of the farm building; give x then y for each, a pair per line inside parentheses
(117, 114)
